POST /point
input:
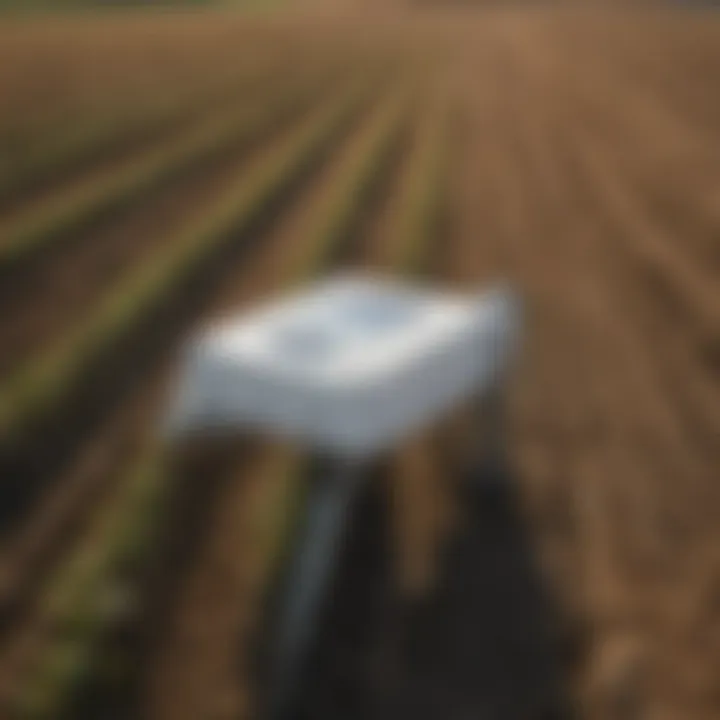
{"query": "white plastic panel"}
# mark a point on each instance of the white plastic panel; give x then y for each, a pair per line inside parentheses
(350, 366)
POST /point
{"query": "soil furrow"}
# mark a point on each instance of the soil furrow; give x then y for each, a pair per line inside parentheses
(69, 280)
(125, 395)
(23, 641)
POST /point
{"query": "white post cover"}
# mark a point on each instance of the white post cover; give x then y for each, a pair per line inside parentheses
(349, 366)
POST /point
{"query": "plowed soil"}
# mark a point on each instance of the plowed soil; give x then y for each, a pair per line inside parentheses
(582, 166)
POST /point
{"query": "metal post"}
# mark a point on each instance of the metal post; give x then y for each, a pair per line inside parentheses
(333, 486)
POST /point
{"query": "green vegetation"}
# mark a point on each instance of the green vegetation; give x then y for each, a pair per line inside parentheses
(71, 209)
(31, 158)
(345, 200)
(421, 202)
(90, 595)
(81, 606)
(42, 385)
(96, 589)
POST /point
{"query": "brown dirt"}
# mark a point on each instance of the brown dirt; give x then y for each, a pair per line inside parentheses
(615, 436)
(85, 90)
(586, 146)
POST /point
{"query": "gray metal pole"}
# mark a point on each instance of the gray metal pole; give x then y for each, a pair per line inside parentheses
(333, 486)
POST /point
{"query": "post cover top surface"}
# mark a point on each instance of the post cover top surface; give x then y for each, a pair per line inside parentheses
(350, 365)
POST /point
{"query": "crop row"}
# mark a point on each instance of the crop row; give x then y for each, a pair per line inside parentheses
(683, 391)
(664, 399)
(78, 606)
(658, 255)
(41, 385)
(655, 253)
(51, 400)
(69, 148)
(419, 220)
(64, 214)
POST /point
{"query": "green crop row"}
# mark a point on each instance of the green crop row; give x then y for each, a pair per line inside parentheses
(83, 142)
(89, 595)
(422, 203)
(68, 211)
(83, 601)
(344, 201)
(40, 386)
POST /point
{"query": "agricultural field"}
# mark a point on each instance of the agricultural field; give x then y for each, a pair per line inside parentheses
(161, 169)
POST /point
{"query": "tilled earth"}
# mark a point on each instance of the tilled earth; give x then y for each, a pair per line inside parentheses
(582, 165)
